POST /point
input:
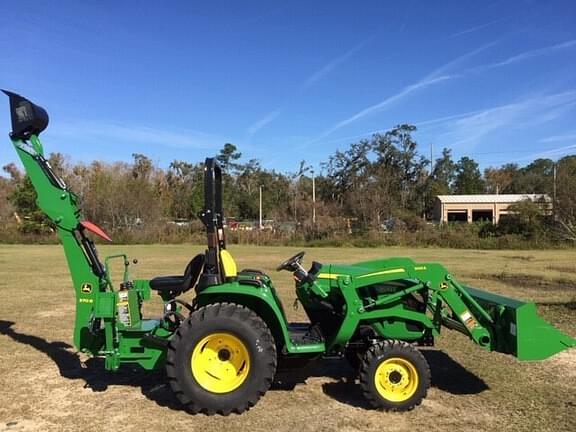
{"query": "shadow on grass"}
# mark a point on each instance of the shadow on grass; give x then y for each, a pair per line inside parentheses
(152, 384)
(450, 376)
(447, 375)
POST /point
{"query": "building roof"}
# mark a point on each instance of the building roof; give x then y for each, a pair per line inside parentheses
(491, 198)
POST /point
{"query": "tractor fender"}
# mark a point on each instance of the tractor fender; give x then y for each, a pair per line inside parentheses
(258, 299)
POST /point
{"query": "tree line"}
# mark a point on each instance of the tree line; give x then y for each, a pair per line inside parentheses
(364, 186)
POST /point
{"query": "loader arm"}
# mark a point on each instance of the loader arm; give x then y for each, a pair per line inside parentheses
(494, 322)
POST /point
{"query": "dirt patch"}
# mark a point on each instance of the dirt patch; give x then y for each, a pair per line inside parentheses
(521, 257)
(566, 362)
(563, 269)
(528, 281)
(55, 313)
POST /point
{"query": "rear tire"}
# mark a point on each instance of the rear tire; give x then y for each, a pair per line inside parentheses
(222, 359)
(394, 376)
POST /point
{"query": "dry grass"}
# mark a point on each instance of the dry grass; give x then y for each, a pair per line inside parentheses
(45, 388)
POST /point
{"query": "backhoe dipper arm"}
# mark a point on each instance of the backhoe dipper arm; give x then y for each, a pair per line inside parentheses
(60, 206)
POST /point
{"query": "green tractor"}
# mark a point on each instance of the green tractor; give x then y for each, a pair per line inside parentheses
(221, 351)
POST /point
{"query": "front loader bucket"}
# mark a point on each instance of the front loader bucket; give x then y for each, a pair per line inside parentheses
(518, 330)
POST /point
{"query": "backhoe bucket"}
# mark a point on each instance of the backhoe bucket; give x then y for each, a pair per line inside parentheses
(518, 330)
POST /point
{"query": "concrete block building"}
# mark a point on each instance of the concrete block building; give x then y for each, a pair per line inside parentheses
(474, 208)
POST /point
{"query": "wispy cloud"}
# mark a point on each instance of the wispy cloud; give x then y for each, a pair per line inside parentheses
(469, 130)
(438, 75)
(474, 29)
(440, 121)
(312, 80)
(442, 74)
(445, 68)
(114, 134)
(333, 64)
(526, 56)
(412, 88)
(560, 138)
(259, 124)
(554, 153)
(443, 120)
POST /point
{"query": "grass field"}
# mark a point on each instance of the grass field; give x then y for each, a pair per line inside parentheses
(45, 385)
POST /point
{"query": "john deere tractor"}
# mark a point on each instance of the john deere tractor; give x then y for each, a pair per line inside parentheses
(222, 350)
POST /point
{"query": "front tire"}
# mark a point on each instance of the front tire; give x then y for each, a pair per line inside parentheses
(222, 359)
(394, 376)
(354, 359)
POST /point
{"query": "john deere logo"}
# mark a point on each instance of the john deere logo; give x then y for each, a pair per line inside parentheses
(86, 288)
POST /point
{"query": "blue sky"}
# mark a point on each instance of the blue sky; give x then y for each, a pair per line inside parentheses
(286, 81)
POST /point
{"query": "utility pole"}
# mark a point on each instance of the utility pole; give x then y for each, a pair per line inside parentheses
(554, 193)
(554, 203)
(260, 207)
(295, 195)
(313, 199)
(431, 158)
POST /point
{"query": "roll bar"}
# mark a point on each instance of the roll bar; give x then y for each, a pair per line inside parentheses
(213, 219)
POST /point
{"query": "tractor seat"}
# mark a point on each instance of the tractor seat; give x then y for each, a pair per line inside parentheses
(180, 284)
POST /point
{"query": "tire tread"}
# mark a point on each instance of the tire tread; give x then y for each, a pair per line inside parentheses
(366, 377)
(211, 312)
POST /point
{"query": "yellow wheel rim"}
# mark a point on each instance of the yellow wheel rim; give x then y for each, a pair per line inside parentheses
(220, 363)
(396, 379)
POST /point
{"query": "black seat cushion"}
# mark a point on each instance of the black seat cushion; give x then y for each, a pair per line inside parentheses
(170, 283)
(180, 284)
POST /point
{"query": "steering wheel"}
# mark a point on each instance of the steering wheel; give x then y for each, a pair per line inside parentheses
(291, 264)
